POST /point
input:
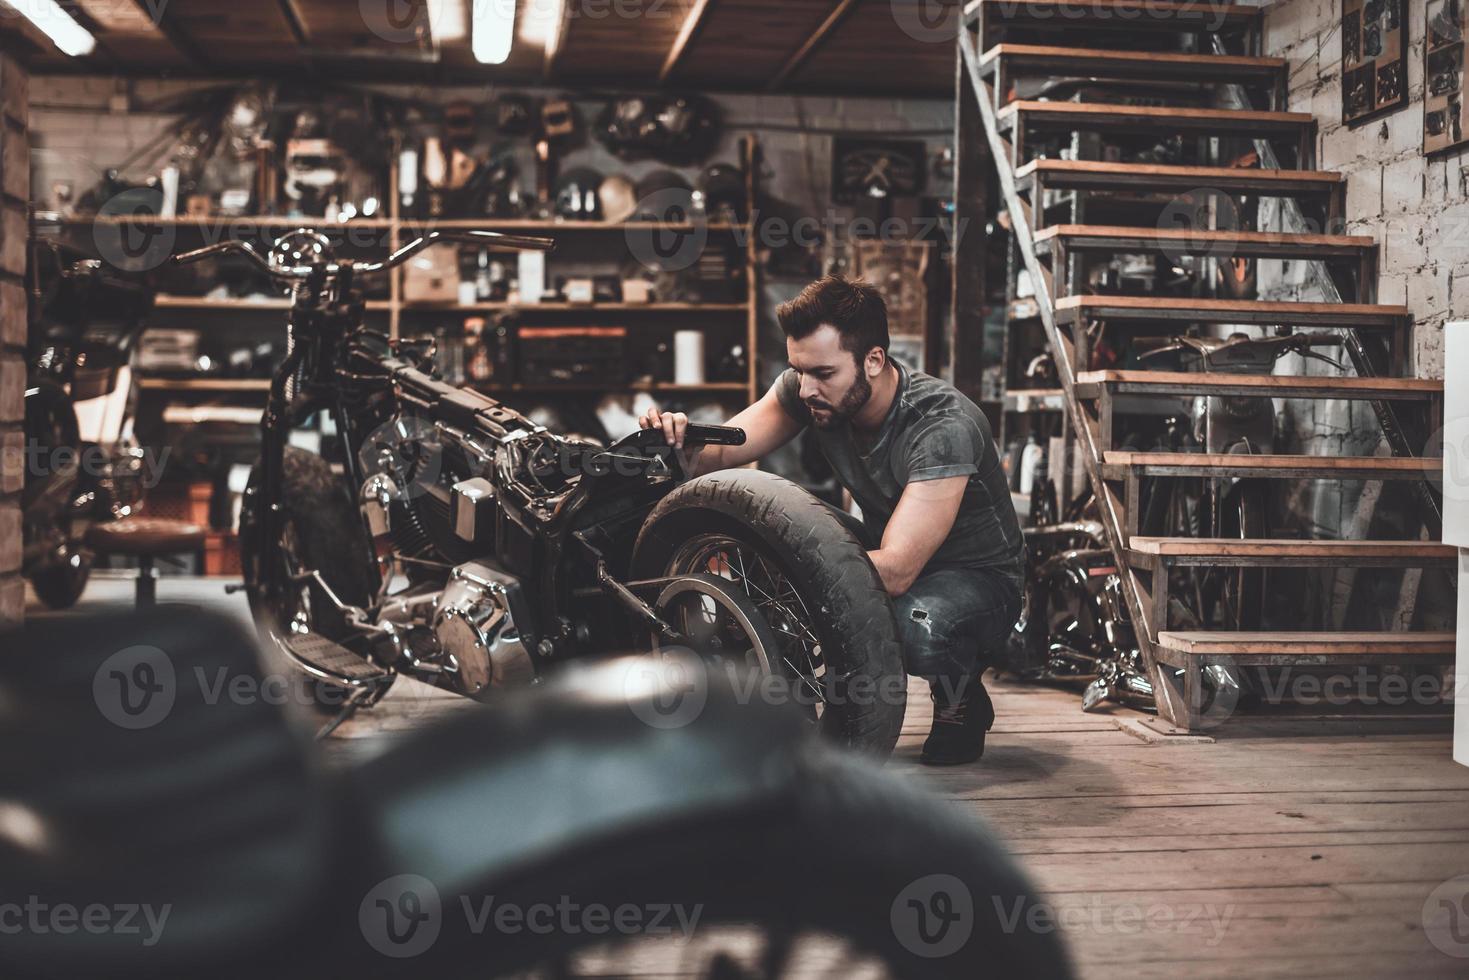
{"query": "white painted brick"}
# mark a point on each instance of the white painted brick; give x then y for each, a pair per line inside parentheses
(1428, 360)
(1402, 186)
(1364, 194)
(1428, 292)
(1392, 289)
(1340, 147)
(1436, 187)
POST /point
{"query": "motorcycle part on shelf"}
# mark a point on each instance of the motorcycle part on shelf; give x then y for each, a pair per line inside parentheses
(515, 115)
(459, 123)
(665, 195)
(572, 355)
(577, 194)
(560, 122)
(617, 198)
(678, 130)
(721, 195)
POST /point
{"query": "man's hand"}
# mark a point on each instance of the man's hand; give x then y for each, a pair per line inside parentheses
(673, 424)
(767, 428)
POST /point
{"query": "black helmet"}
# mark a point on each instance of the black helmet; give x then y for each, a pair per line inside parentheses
(677, 130)
(664, 195)
(722, 193)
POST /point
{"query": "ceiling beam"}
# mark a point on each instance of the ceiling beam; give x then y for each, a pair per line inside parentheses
(833, 21)
(157, 12)
(686, 35)
(556, 41)
(291, 13)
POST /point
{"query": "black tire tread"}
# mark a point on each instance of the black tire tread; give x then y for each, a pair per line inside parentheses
(830, 559)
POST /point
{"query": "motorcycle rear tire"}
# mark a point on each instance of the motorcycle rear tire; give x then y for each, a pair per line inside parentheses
(828, 567)
(329, 538)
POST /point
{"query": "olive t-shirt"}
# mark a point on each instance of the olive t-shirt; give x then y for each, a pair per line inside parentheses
(931, 432)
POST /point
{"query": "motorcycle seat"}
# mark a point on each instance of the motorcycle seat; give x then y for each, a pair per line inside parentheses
(146, 536)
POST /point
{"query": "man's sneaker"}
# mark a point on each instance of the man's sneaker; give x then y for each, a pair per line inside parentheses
(962, 713)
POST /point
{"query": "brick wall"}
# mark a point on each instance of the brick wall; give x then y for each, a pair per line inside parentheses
(1417, 208)
(14, 193)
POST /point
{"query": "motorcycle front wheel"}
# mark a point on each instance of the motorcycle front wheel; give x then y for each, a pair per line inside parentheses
(809, 578)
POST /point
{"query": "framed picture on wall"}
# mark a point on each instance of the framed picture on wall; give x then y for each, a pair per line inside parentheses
(1374, 58)
(1443, 74)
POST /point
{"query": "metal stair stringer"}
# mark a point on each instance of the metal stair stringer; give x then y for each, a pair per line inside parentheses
(1170, 697)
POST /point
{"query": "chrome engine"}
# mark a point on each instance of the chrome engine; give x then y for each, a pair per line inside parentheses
(465, 630)
(473, 627)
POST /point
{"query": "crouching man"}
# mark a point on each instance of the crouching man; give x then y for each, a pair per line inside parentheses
(921, 462)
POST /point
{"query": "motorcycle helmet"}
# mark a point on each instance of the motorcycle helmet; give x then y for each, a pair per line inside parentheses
(515, 115)
(671, 129)
(721, 193)
(576, 194)
(618, 198)
(665, 195)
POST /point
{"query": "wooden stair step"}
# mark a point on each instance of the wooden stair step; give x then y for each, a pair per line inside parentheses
(1186, 309)
(1121, 15)
(1195, 241)
(1280, 553)
(1036, 59)
(1091, 384)
(1096, 175)
(1260, 648)
(1098, 116)
(1118, 464)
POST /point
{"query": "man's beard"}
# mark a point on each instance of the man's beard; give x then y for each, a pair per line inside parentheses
(851, 404)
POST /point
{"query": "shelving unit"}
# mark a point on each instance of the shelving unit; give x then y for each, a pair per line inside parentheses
(395, 230)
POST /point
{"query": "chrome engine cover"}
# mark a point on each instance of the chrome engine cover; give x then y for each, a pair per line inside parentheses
(473, 626)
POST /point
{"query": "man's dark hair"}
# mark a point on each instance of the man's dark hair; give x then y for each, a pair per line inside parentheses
(853, 306)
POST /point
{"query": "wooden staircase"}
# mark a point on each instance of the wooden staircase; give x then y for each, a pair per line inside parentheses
(1025, 73)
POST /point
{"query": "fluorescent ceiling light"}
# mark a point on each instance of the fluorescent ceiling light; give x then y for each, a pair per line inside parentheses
(57, 24)
(494, 30)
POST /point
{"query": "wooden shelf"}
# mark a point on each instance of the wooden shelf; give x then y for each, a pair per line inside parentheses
(660, 386)
(167, 302)
(204, 384)
(576, 307)
(215, 221)
(414, 225)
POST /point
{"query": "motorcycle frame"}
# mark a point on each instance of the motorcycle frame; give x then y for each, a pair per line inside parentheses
(325, 312)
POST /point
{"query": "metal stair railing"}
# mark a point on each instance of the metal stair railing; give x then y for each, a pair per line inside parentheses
(1169, 696)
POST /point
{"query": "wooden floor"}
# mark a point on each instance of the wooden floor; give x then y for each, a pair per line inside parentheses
(1250, 855)
(1245, 856)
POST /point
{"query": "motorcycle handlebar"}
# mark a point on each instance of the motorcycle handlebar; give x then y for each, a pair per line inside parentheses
(491, 239)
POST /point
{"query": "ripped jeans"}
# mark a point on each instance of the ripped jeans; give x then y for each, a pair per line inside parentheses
(952, 623)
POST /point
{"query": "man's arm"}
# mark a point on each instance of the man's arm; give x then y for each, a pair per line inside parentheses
(922, 520)
(767, 427)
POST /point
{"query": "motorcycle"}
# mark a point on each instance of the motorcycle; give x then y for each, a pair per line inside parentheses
(472, 549)
(1222, 508)
(84, 322)
(1074, 626)
(153, 784)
